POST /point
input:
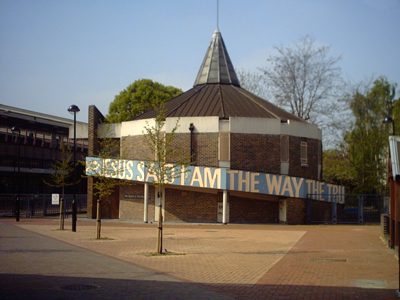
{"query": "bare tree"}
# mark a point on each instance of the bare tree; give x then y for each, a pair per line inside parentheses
(303, 78)
(63, 169)
(106, 169)
(253, 82)
(165, 161)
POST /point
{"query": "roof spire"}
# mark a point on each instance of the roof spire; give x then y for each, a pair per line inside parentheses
(217, 66)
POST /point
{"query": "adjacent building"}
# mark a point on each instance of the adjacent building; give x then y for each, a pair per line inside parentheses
(28, 153)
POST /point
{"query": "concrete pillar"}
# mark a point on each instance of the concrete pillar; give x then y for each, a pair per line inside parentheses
(224, 206)
(146, 203)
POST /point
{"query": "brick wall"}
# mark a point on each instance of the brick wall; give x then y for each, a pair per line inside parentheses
(189, 206)
(295, 211)
(242, 210)
(295, 168)
(135, 147)
(181, 146)
(205, 148)
(261, 153)
(184, 206)
(255, 152)
(131, 208)
(95, 118)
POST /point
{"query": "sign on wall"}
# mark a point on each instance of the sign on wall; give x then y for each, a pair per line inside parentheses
(219, 178)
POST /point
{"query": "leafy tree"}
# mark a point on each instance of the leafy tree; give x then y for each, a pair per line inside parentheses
(365, 144)
(338, 170)
(165, 161)
(304, 79)
(63, 169)
(140, 96)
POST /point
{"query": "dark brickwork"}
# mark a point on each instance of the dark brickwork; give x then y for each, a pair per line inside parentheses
(295, 211)
(133, 208)
(180, 206)
(189, 206)
(295, 167)
(256, 153)
(181, 146)
(261, 153)
(206, 149)
(244, 210)
(135, 147)
(95, 118)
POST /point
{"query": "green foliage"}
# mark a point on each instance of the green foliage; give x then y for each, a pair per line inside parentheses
(140, 96)
(366, 144)
(338, 170)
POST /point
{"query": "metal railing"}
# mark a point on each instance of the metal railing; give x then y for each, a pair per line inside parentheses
(34, 205)
(356, 209)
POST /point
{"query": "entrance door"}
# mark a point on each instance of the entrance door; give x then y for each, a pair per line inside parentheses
(160, 196)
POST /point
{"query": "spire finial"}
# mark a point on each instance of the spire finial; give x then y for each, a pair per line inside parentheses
(217, 66)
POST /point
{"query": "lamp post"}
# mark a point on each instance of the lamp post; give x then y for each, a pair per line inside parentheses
(73, 110)
(17, 208)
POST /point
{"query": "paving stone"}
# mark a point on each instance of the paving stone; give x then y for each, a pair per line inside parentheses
(237, 261)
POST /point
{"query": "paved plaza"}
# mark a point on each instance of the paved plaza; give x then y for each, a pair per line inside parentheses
(38, 261)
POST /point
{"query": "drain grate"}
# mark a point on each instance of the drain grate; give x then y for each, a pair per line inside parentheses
(79, 287)
(328, 259)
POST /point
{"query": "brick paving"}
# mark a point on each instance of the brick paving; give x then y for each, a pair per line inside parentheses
(248, 261)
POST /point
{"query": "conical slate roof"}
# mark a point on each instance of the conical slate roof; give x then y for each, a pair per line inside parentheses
(217, 92)
(217, 66)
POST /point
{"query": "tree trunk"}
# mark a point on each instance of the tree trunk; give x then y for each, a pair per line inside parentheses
(62, 214)
(62, 211)
(160, 228)
(98, 223)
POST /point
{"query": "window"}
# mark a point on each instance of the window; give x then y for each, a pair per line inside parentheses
(303, 154)
(284, 148)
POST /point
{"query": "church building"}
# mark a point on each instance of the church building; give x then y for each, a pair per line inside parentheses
(252, 162)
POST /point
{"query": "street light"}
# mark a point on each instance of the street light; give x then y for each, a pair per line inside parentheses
(73, 110)
(17, 209)
(389, 120)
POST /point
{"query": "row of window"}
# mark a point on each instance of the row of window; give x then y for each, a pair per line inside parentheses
(24, 162)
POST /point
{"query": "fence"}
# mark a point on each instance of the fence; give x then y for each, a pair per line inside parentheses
(357, 209)
(39, 205)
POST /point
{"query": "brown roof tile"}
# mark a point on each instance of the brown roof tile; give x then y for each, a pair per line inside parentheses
(221, 100)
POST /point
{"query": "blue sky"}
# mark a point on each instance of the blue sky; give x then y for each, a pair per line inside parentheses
(54, 53)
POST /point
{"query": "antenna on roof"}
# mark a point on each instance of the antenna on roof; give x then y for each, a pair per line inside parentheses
(217, 13)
